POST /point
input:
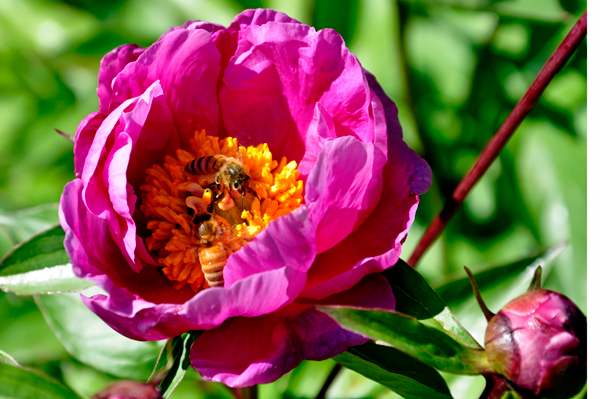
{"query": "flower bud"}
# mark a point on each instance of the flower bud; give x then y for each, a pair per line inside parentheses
(538, 341)
(129, 390)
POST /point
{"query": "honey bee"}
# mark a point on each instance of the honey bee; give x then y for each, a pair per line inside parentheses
(212, 257)
(229, 181)
(213, 260)
(229, 172)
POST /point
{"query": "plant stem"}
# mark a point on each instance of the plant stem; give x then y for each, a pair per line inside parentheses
(495, 387)
(491, 151)
(334, 372)
(250, 392)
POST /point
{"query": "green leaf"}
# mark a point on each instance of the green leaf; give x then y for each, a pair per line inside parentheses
(44, 249)
(416, 298)
(427, 344)
(40, 265)
(396, 371)
(459, 289)
(20, 383)
(20, 225)
(8, 359)
(91, 341)
(181, 362)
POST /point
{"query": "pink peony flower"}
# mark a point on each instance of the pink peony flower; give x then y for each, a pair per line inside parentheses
(314, 230)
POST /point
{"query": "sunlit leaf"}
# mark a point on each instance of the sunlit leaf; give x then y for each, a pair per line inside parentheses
(414, 297)
(40, 265)
(181, 361)
(43, 250)
(395, 370)
(93, 342)
(427, 344)
(8, 359)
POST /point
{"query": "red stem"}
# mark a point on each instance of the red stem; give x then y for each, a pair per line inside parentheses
(491, 151)
(495, 387)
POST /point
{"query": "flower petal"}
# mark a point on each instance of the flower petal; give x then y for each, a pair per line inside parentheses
(84, 137)
(110, 66)
(376, 245)
(96, 256)
(285, 69)
(257, 295)
(342, 189)
(108, 192)
(273, 344)
(287, 242)
(187, 64)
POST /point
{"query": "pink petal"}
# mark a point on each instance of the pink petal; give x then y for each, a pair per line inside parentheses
(287, 242)
(376, 245)
(84, 137)
(108, 193)
(95, 255)
(279, 72)
(244, 352)
(187, 64)
(342, 189)
(257, 295)
(111, 65)
(344, 185)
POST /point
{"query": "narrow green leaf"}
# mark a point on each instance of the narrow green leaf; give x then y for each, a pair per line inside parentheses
(44, 249)
(40, 265)
(181, 362)
(427, 344)
(8, 359)
(18, 382)
(51, 280)
(416, 298)
(93, 342)
(161, 361)
(459, 289)
(396, 371)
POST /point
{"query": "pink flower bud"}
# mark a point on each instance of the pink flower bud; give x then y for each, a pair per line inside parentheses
(538, 341)
(129, 390)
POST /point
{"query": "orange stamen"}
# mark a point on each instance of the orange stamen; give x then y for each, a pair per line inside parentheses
(173, 198)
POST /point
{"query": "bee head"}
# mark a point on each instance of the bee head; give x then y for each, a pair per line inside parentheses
(240, 184)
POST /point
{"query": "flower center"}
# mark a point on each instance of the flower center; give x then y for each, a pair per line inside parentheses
(206, 204)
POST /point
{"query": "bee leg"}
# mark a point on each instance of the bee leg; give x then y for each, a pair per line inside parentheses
(226, 203)
(196, 205)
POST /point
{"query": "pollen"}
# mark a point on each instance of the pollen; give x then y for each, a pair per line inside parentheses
(190, 213)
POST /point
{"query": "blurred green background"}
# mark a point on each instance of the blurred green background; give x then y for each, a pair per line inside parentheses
(455, 68)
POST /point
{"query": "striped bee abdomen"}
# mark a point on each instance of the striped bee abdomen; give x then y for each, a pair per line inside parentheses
(205, 165)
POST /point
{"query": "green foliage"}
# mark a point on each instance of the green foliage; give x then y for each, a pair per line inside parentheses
(412, 337)
(40, 265)
(181, 347)
(416, 298)
(92, 342)
(393, 369)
